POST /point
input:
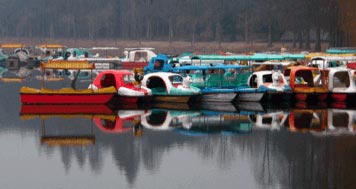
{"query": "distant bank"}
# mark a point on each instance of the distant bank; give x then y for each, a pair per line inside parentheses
(175, 47)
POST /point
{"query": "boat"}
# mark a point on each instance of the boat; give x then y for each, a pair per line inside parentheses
(136, 57)
(170, 87)
(17, 60)
(217, 83)
(126, 83)
(44, 95)
(51, 51)
(272, 84)
(305, 85)
(331, 61)
(83, 54)
(341, 85)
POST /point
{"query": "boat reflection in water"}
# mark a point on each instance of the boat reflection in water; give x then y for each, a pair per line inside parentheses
(328, 121)
(165, 119)
(310, 147)
(107, 120)
(216, 118)
(83, 138)
(124, 121)
(269, 120)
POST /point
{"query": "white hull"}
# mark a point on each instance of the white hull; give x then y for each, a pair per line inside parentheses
(250, 97)
(218, 97)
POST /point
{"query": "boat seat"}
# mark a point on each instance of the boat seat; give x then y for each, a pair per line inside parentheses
(214, 80)
(240, 80)
(108, 81)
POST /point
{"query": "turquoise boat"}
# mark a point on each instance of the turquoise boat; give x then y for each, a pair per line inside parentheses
(217, 83)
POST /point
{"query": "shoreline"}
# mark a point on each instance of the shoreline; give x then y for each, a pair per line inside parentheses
(175, 47)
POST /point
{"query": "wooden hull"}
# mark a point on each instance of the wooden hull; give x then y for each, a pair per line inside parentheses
(171, 99)
(93, 98)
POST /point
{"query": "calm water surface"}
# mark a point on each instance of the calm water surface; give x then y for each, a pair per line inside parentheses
(164, 146)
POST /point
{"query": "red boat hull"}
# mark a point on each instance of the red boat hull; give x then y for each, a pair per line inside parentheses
(339, 97)
(66, 98)
(65, 109)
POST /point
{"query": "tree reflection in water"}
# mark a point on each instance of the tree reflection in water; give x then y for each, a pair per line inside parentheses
(294, 148)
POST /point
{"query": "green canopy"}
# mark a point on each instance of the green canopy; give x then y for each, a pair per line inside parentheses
(341, 51)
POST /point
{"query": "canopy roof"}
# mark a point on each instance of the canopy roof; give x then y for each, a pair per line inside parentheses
(341, 50)
(12, 45)
(207, 67)
(51, 46)
(254, 57)
(67, 64)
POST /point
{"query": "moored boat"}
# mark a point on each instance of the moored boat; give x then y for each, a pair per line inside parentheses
(126, 83)
(341, 84)
(170, 87)
(66, 95)
(217, 83)
(272, 84)
(304, 85)
(136, 57)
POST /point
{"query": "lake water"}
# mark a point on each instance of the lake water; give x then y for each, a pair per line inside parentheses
(175, 146)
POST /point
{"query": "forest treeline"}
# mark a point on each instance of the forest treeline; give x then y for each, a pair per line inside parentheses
(301, 22)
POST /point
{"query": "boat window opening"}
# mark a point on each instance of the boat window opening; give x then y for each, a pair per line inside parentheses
(332, 64)
(108, 80)
(84, 74)
(286, 73)
(267, 78)
(176, 79)
(340, 119)
(48, 73)
(253, 118)
(128, 79)
(341, 80)
(304, 78)
(156, 83)
(253, 81)
(267, 120)
(107, 124)
(140, 57)
(156, 118)
(158, 65)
